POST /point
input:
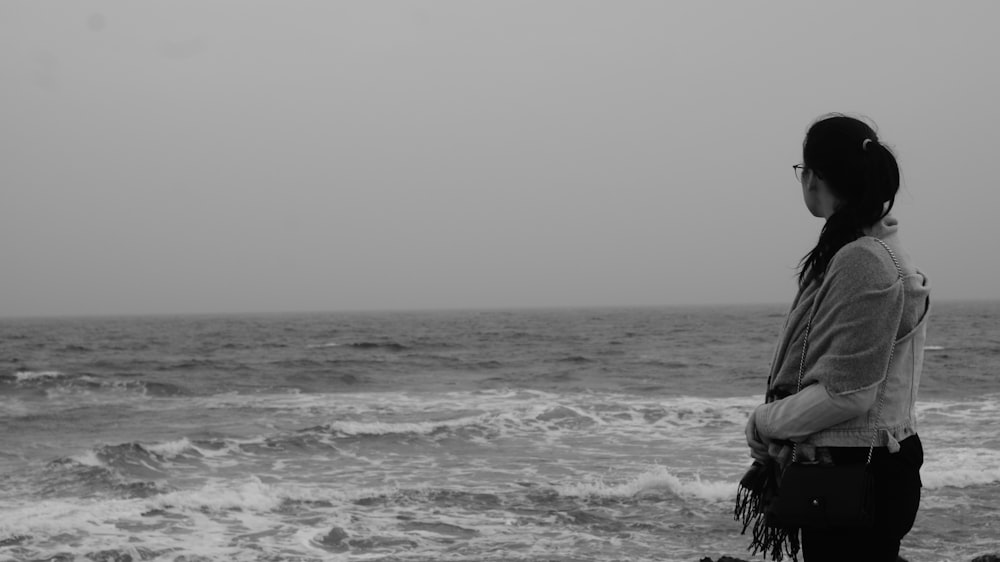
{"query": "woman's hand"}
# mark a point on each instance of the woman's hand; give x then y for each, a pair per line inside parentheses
(758, 446)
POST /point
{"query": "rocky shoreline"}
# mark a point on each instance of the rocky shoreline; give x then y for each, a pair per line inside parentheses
(982, 558)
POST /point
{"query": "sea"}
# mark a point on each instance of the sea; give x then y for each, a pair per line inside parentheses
(480, 435)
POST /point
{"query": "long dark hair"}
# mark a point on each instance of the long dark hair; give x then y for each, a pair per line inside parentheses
(862, 172)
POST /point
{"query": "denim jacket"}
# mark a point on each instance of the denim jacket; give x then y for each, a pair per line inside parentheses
(867, 324)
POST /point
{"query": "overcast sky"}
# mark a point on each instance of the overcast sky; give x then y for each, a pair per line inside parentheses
(240, 156)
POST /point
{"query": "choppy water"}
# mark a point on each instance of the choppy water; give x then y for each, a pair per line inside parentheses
(518, 435)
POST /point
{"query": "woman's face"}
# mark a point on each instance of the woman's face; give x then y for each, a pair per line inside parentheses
(809, 192)
(818, 197)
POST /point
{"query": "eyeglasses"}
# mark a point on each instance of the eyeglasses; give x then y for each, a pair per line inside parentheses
(799, 169)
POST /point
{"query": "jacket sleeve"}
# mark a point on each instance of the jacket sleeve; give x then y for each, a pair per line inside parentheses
(857, 315)
(809, 411)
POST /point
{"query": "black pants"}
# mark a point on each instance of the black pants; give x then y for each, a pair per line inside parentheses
(897, 497)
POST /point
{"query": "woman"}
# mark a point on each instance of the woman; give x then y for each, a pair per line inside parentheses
(847, 366)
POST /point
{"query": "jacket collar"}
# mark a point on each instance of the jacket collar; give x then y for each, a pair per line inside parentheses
(884, 228)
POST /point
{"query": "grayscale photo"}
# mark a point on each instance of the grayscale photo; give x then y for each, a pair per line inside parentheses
(499, 280)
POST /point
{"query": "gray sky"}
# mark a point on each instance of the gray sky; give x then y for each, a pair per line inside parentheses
(249, 156)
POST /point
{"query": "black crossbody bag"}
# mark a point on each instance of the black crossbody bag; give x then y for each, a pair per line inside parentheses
(825, 495)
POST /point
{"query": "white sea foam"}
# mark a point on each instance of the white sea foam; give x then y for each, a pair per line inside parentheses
(960, 467)
(230, 447)
(255, 495)
(950, 423)
(171, 449)
(533, 408)
(658, 479)
(389, 428)
(218, 496)
(23, 376)
(959, 477)
(322, 345)
(987, 404)
(492, 400)
(88, 458)
(100, 524)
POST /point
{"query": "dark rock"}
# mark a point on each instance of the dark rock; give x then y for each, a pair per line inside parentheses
(982, 558)
(334, 540)
(110, 556)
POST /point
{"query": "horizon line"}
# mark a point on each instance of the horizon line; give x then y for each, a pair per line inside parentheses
(428, 310)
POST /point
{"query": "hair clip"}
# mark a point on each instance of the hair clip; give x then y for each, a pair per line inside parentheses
(864, 144)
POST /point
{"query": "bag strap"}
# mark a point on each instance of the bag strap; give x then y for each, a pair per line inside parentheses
(885, 378)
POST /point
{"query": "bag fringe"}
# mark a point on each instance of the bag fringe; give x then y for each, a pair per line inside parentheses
(752, 495)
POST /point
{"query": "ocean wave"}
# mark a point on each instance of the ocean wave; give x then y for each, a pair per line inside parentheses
(147, 460)
(132, 459)
(161, 389)
(134, 469)
(32, 376)
(251, 345)
(297, 364)
(252, 494)
(959, 477)
(484, 415)
(86, 458)
(186, 449)
(198, 364)
(250, 519)
(605, 409)
(578, 359)
(86, 475)
(85, 382)
(390, 345)
(654, 481)
(46, 381)
(375, 428)
(154, 389)
(952, 467)
(171, 449)
(667, 363)
(545, 418)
